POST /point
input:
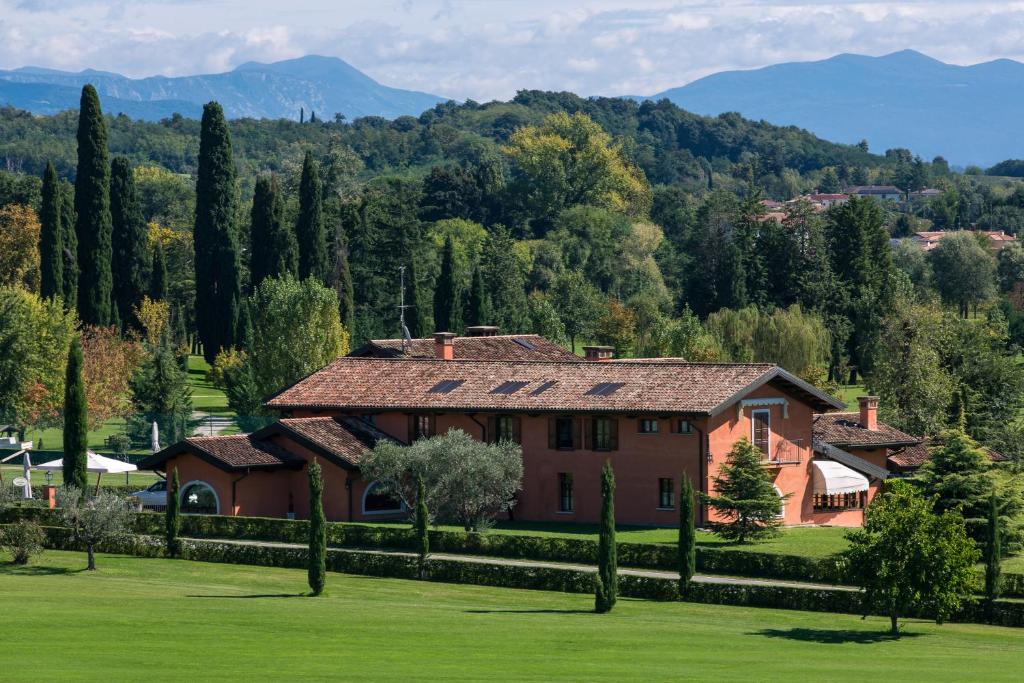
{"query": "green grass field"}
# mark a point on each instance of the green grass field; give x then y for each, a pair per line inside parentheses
(140, 479)
(155, 620)
(205, 396)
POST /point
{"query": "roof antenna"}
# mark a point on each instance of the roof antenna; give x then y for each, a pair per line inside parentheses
(406, 337)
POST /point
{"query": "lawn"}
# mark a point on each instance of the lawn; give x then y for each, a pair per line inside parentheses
(139, 479)
(205, 396)
(849, 393)
(156, 620)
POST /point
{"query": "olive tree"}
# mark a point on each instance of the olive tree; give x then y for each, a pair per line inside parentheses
(466, 481)
(95, 519)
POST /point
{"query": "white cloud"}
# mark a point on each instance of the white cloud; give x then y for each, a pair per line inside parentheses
(487, 50)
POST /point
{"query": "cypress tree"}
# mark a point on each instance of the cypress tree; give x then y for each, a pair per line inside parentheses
(92, 207)
(69, 242)
(506, 285)
(607, 552)
(218, 269)
(687, 534)
(274, 249)
(158, 275)
(478, 309)
(173, 514)
(993, 557)
(317, 531)
(244, 334)
(422, 521)
(446, 294)
(132, 263)
(342, 283)
(76, 440)
(310, 231)
(51, 237)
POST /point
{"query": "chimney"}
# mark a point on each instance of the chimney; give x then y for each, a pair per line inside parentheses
(482, 331)
(868, 412)
(444, 345)
(599, 353)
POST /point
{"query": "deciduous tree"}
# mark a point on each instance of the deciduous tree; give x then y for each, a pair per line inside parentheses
(19, 247)
(94, 519)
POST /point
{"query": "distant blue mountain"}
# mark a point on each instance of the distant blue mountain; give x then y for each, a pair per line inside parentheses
(326, 85)
(969, 114)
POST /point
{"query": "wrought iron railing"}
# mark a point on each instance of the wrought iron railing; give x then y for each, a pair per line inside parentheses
(785, 452)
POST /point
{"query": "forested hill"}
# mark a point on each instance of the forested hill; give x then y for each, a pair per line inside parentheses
(670, 144)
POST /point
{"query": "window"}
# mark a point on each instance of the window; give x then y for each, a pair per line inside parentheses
(446, 386)
(564, 428)
(682, 427)
(666, 494)
(421, 427)
(509, 387)
(505, 428)
(760, 430)
(605, 388)
(648, 426)
(543, 387)
(199, 498)
(377, 499)
(565, 492)
(840, 501)
(604, 434)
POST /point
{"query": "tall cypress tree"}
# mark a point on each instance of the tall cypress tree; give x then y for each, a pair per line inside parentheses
(51, 237)
(317, 531)
(687, 534)
(422, 521)
(310, 231)
(76, 440)
(92, 206)
(158, 275)
(132, 263)
(607, 552)
(478, 308)
(69, 241)
(274, 249)
(218, 268)
(342, 282)
(447, 304)
(173, 514)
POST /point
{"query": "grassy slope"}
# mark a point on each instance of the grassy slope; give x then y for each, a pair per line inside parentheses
(173, 620)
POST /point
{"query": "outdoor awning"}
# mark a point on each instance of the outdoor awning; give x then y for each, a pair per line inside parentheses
(831, 477)
(96, 463)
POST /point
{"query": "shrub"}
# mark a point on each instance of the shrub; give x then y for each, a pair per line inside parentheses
(23, 540)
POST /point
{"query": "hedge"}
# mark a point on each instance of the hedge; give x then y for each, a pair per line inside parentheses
(577, 551)
(566, 580)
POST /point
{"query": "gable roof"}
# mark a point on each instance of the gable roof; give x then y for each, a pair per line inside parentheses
(846, 431)
(912, 457)
(495, 347)
(341, 440)
(850, 460)
(651, 387)
(229, 453)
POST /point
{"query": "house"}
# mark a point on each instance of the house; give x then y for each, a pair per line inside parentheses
(482, 342)
(882, 192)
(924, 195)
(908, 460)
(827, 200)
(997, 239)
(656, 420)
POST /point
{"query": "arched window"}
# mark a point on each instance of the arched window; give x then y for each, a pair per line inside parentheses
(782, 508)
(199, 498)
(378, 501)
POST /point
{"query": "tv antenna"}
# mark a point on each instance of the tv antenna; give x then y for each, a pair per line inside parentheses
(406, 337)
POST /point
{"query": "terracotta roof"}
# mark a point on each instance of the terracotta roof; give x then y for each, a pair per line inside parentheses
(612, 386)
(845, 430)
(498, 347)
(912, 457)
(235, 452)
(345, 439)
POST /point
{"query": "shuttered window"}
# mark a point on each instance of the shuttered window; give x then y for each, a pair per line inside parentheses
(564, 433)
(605, 434)
(761, 428)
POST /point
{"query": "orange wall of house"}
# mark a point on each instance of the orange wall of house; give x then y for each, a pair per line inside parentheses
(260, 494)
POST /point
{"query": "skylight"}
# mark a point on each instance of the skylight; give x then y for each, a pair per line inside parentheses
(525, 344)
(508, 387)
(605, 388)
(446, 386)
(543, 387)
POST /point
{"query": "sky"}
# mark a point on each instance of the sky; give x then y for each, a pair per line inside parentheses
(489, 49)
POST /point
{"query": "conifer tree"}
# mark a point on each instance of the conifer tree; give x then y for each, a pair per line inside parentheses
(244, 334)
(218, 269)
(69, 241)
(746, 496)
(310, 230)
(958, 474)
(993, 552)
(92, 207)
(506, 284)
(607, 585)
(76, 428)
(687, 534)
(447, 297)
(341, 282)
(417, 321)
(317, 531)
(132, 262)
(274, 249)
(173, 514)
(51, 237)
(478, 305)
(422, 521)
(158, 275)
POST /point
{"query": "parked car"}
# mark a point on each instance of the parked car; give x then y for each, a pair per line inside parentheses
(153, 497)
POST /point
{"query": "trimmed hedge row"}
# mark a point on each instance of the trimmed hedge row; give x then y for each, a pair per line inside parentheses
(579, 551)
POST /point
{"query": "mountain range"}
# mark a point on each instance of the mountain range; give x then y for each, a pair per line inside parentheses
(968, 114)
(326, 85)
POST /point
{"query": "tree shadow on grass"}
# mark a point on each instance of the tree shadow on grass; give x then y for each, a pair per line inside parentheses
(832, 636)
(36, 570)
(530, 611)
(254, 595)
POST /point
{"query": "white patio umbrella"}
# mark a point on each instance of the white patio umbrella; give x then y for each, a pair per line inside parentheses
(94, 463)
(155, 439)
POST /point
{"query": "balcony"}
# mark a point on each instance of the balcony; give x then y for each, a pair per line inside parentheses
(785, 452)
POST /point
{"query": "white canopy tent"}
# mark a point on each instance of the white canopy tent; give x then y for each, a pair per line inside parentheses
(94, 463)
(831, 478)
